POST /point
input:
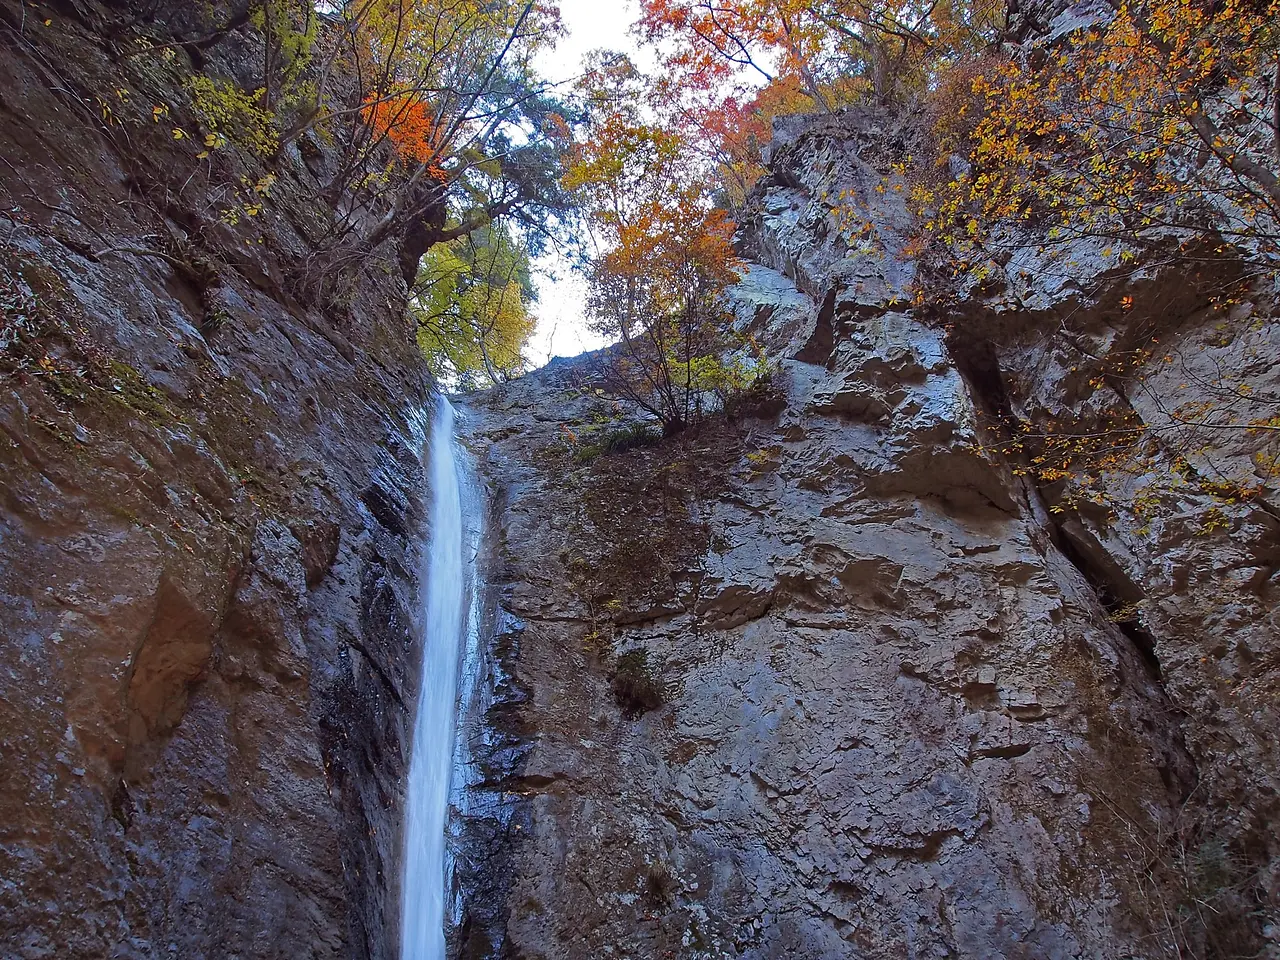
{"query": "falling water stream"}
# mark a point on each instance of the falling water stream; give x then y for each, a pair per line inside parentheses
(447, 596)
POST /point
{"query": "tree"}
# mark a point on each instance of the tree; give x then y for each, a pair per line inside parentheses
(731, 67)
(658, 286)
(433, 106)
(888, 46)
(447, 86)
(471, 303)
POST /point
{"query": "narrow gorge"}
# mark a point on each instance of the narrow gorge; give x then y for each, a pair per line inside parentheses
(888, 654)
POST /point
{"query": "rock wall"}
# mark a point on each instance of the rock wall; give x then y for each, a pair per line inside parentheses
(917, 699)
(846, 674)
(211, 497)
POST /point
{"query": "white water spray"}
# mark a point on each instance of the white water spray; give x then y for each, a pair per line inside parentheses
(431, 762)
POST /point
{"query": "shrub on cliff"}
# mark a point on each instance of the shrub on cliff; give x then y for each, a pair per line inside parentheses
(616, 440)
(1153, 125)
(636, 684)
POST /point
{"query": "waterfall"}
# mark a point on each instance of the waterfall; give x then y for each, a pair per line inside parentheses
(448, 582)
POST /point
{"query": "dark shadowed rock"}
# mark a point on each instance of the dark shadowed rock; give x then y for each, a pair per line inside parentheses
(203, 730)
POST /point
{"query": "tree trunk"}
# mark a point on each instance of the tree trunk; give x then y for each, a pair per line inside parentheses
(421, 234)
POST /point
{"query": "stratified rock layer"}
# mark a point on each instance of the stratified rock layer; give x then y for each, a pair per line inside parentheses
(210, 499)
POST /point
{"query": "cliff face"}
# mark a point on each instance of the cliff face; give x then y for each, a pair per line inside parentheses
(849, 673)
(920, 697)
(211, 493)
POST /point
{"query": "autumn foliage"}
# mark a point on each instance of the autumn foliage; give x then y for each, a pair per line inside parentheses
(409, 124)
(657, 286)
(879, 46)
(471, 303)
(1142, 124)
(730, 68)
(1154, 125)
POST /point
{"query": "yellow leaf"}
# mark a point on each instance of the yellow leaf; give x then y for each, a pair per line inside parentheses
(178, 134)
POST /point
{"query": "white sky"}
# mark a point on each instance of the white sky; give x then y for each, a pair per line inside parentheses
(562, 329)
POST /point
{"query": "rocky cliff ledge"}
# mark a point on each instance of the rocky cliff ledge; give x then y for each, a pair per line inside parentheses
(838, 675)
(211, 492)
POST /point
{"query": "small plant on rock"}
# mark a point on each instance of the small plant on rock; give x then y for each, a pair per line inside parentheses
(661, 885)
(636, 684)
(618, 440)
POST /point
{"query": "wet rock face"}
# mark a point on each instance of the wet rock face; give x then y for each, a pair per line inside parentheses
(209, 504)
(917, 701)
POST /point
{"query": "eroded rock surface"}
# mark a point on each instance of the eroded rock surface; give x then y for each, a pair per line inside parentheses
(846, 675)
(919, 701)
